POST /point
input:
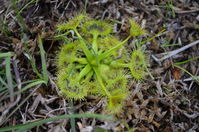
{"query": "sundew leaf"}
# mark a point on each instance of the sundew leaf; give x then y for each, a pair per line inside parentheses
(73, 23)
(138, 64)
(70, 86)
(135, 29)
(96, 27)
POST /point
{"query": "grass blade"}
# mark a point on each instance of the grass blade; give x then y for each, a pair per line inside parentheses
(72, 120)
(18, 106)
(37, 82)
(3, 82)
(32, 84)
(43, 59)
(9, 79)
(39, 122)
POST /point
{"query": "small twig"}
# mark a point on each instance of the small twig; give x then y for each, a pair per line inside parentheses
(159, 88)
(187, 11)
(19, 105)
(193, 80)
(137, 89)
(16, 71)
(52, 82)
(193, 129)
(174, 52)
(191, 116)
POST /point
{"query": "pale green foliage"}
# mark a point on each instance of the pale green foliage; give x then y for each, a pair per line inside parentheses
(67, 82)
(96, 27)
(138, 64)
(72, 24)
(93, 63)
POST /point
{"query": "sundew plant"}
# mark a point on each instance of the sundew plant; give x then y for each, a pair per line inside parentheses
(94, 61)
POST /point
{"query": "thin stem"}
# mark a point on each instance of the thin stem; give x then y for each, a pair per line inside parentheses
(81, 60)
(181, 68)
(89, 75)
(149, 39)
(100, 81)
(84, 71)
(107, 53)
(186, 61)
(119, 65)
(95, 49)
(94, 44)
(83, 46)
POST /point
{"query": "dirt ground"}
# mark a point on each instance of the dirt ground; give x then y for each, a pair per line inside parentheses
(169, 102)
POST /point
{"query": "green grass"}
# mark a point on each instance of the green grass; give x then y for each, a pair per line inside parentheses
(27, 5)
(43, 60)
(6, 78)
(27, 126)
(177, 64)
(196, 78)
(9, 80)
(72, 120)
(16, 108)
(167, 44)
(169, 9)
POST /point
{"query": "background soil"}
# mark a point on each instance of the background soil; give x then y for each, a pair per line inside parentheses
(169, 102)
